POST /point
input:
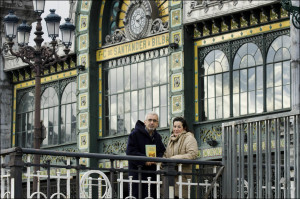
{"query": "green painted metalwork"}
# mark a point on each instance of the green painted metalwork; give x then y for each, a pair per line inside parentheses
(293, 10)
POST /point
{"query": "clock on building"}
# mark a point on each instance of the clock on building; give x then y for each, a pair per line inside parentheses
(139, 17)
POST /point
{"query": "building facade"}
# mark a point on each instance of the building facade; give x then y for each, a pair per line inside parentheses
(209, 61)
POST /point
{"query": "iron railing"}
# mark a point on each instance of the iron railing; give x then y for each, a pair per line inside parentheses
(111, 181)
(262, 157)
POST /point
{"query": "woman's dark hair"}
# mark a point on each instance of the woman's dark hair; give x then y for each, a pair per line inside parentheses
(183, 121)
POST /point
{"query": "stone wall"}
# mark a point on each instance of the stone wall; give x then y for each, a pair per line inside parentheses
(24, 10)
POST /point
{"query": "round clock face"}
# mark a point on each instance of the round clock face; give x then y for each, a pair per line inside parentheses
(138, 21)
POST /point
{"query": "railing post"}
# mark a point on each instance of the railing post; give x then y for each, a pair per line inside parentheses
(112, 178)
(77, 178)
(169, 181)
(140, 179)
(16, 165)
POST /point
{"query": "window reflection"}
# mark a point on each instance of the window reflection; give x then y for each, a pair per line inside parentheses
(25, 121)
(215, 85)
(68, 114)
(247, 61)
(278, 78)
(145, 89)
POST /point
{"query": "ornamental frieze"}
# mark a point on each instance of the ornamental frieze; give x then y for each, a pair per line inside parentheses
(198, 10)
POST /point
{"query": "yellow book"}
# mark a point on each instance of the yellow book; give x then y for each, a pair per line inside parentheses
(151, 151)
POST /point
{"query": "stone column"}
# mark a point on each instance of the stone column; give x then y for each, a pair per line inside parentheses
(5, 105)
(295, 63)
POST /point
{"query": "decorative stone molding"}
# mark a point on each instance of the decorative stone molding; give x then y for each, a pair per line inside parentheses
(207, 9)
(119, 36)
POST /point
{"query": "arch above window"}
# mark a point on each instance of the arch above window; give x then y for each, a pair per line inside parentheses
(279, 49)
(248, 55)
(69, 94)
(49, 98)
(27, 103)
(215, 62)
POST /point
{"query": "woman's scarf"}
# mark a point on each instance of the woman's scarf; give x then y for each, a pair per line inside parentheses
(176, 148)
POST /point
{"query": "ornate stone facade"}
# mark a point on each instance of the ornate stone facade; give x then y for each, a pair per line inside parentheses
(22, 9)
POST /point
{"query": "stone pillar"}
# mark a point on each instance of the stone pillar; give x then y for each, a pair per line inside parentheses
(5, 106)
(295, 63)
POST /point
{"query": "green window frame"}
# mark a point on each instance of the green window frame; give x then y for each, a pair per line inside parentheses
(68, 114)
(279, 78)
(25, 121)
(259, 77)
(216, 85)
(49, 113)
(58, 113)
(132, 90)
(247, 80)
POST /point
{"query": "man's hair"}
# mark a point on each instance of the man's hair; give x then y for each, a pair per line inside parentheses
(151, 113)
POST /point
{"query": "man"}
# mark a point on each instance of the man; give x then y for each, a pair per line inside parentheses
(144, 135)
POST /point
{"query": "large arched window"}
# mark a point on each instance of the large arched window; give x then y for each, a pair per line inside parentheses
(68, 113)
(49, 113)
(58, 113)
(256, 80)
(216, 86)
(279, 76)
(248, 80)
(25, 121)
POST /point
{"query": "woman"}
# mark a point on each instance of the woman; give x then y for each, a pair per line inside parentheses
(182, 145)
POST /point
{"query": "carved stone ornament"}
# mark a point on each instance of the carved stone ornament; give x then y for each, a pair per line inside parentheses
(117, 37)
(159, 26)
(206, 4)
(141, 20)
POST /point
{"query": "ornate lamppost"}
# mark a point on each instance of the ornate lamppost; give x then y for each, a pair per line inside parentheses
(38, 57)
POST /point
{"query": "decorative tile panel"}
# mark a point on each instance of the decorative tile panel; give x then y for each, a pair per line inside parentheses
(175, 2)
(83, 120)
(83, 42)
(83, 101)
(83, 140)
(85, 5)
(177, 37)
(83, 22)
(176, 80)
(177, 103)
(176, 18)
(83, 81)
(84, 161)
(212, 152)
(176, 60)
(83, 59)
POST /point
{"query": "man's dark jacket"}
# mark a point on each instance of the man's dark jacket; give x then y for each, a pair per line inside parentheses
(137, 141)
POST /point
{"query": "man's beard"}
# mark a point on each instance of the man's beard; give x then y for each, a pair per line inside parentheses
(151, 129)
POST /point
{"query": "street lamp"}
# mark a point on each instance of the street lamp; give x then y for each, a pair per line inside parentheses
(38, 57)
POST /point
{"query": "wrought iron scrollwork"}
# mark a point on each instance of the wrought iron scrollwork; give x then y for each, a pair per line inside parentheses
(159, 26)
(293, 10)
(117, 37)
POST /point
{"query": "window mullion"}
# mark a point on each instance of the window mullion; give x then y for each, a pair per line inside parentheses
(264, 50)
(230, 80)
(59, 114)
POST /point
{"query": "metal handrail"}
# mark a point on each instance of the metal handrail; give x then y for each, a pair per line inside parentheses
(106, 156)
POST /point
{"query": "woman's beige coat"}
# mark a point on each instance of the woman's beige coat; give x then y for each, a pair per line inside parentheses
(184, 146)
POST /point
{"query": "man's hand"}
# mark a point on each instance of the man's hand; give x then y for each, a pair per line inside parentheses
(149, 163)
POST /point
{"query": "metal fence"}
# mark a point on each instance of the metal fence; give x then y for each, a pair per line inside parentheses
(262, 157)
(94, 182)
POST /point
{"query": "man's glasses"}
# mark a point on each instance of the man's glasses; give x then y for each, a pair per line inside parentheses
(152, 120)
